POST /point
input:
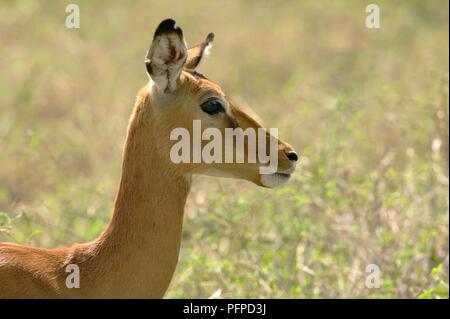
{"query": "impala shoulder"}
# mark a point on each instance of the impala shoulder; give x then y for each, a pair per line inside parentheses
(29, 271)
(28, 257)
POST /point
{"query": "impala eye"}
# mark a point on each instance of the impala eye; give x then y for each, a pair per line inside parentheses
(212, 106)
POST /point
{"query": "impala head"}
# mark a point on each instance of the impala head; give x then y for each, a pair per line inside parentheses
(181, 98)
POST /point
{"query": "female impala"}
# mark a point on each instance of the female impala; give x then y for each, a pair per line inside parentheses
(136, 255)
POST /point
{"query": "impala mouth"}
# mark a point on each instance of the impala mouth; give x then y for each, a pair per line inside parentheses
(275, 179)
(287, 175)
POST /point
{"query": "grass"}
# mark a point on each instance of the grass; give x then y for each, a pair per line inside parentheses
(367, 109)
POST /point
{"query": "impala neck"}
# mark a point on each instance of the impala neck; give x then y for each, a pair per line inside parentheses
(140, 245)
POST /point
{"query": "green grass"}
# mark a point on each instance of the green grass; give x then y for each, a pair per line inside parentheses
(366, 109)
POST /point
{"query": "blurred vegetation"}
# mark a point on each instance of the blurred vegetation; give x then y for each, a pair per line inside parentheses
(366, 109)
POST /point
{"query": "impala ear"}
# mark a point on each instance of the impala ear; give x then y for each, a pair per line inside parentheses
(195, 54)
(167, 54)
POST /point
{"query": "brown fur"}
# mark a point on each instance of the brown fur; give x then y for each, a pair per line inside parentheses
(136, 255)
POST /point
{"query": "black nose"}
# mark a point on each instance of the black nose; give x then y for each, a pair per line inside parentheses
(292, 156)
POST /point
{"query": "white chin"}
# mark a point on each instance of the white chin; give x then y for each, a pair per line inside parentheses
(274, 180)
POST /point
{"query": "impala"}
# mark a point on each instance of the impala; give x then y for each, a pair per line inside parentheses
(137, 252)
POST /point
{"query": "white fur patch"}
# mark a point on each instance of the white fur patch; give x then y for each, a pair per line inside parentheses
(207, 50)
(274, 180)
(277, 179)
